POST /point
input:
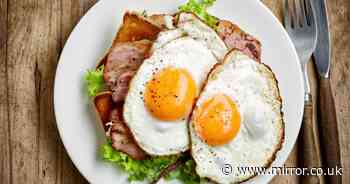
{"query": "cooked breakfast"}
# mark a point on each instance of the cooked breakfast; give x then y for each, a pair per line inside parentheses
(180, 95)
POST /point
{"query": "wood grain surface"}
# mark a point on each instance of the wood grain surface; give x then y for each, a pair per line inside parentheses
(32, 34)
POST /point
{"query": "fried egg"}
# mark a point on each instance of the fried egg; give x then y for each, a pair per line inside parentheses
(163, 92)
(237, 120)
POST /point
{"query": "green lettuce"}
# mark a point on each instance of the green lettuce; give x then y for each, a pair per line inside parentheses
(185, 172)
(150, 169)
(138, 170)
(94, 81)
(199, 7)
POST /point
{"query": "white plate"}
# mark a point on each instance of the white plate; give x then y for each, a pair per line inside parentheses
(93, 35)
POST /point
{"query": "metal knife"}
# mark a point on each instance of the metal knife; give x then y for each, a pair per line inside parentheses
(328, 127)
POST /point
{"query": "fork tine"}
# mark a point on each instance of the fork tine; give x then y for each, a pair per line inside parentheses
(287, 21)
(309, 13)
(294, 14)
(302, 15)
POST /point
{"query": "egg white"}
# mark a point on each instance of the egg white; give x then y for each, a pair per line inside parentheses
(253, 88)
(165, 37)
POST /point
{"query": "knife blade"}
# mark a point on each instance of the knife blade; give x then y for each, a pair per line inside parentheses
(322, 52)
(328, 126)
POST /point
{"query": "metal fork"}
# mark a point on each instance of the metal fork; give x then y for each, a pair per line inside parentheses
(299, 20)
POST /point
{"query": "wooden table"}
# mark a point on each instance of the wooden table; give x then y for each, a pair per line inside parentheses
(32, 34)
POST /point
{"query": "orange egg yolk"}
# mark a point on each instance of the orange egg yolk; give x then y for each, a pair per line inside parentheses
(170, 94)
(217, 120)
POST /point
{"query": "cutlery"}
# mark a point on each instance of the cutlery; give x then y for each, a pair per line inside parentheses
(299, 20)
(328, 128)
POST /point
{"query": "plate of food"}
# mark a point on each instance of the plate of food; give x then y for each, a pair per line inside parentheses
(178, 92)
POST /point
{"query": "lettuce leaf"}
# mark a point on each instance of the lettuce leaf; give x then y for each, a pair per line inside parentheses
(185, 172)
(138, 170)
(199, 7)
(94, 81)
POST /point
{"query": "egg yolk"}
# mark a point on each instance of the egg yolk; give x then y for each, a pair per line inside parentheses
(217, 120)
(170, 94)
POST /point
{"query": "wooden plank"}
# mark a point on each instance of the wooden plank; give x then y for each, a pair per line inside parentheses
(47, 23)
(34, 47)
(23, 107)
(5, 150)
(340, 20)
(72, 11)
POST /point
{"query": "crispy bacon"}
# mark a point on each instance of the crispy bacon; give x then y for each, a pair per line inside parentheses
(235, 38)
(122, 63)
(135, 28)
(122, 138)
(103, 105)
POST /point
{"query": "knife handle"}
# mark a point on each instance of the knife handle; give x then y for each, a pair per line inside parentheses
(328, 130)
(309, 156)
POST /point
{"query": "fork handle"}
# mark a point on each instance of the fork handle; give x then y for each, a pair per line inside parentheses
(309, 156)
(328, 129)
